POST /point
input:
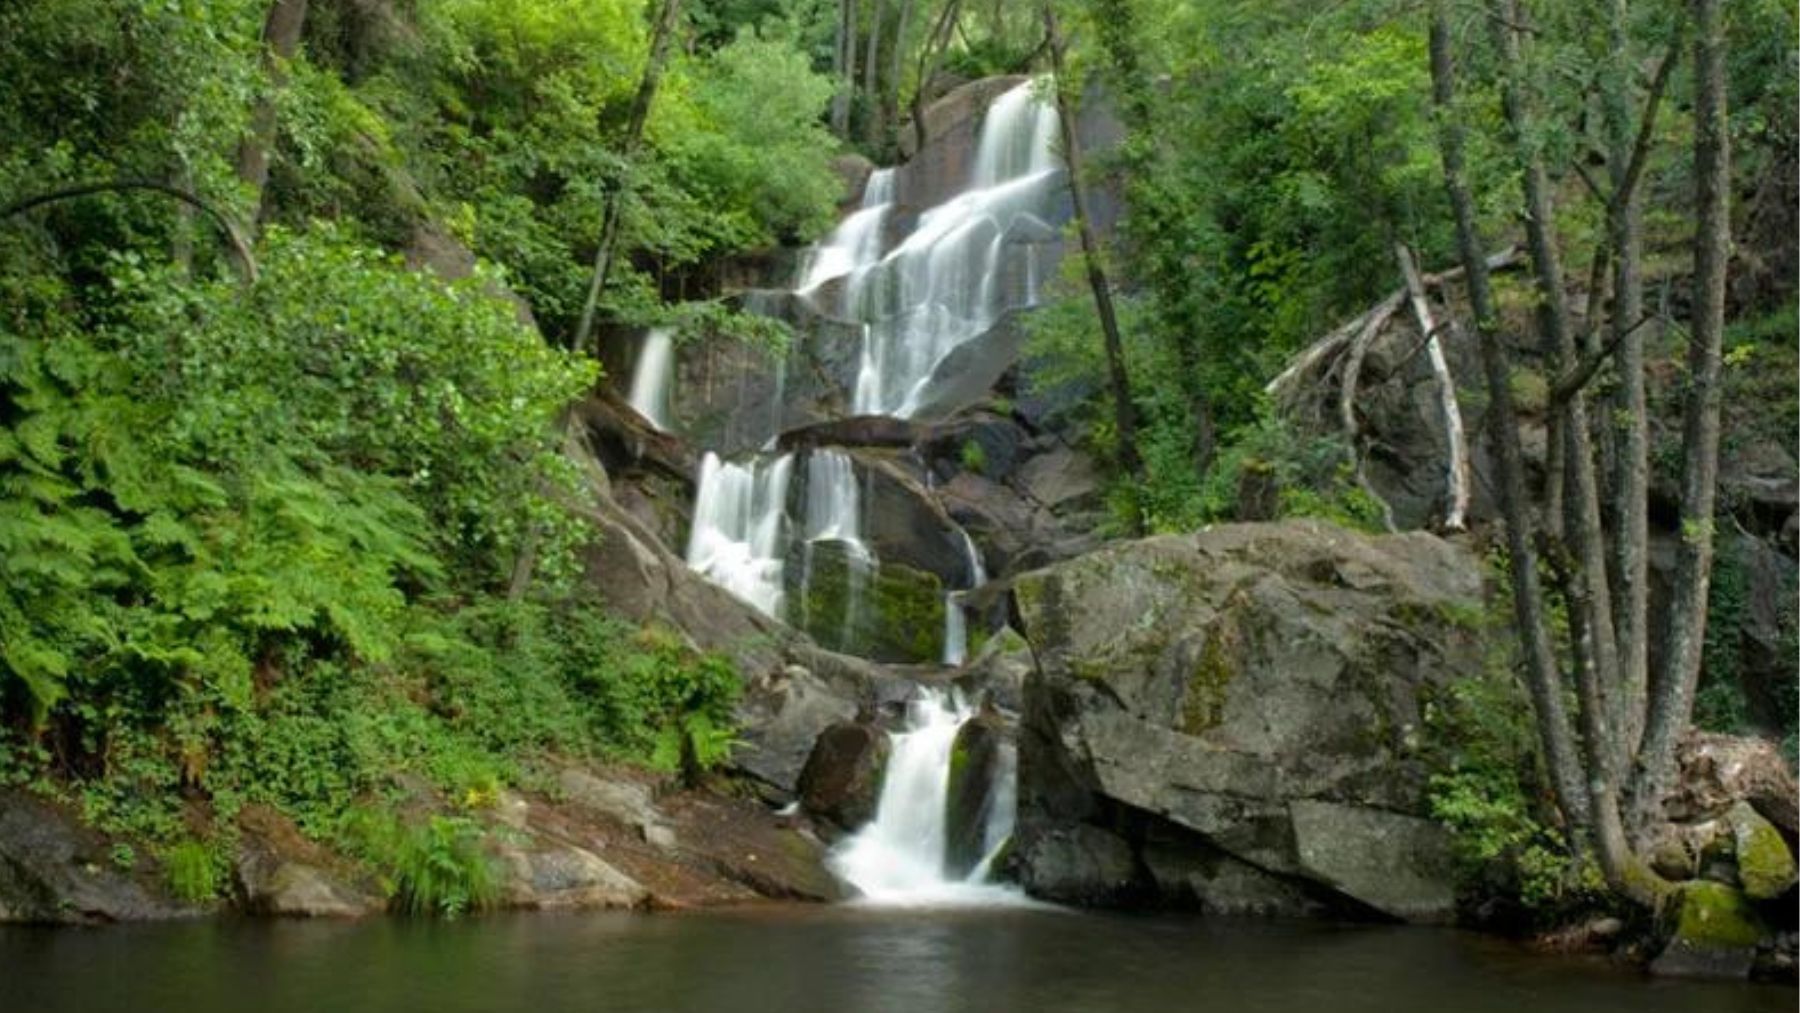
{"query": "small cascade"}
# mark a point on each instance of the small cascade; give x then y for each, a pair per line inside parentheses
(653, 376)
(899, 857)
(834, 514)
(945, 282)
(956, 622)
(737, 537)
(856, 243)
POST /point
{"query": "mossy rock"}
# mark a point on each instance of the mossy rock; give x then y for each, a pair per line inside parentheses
(1714, 935)
(1765, 866)
(854, 604)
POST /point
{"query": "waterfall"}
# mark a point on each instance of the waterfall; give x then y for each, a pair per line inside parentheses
(653, 375)
(956, 623)
(834, 514)
(944, 284)
(917, 287)
(899, 857)
(736, 539)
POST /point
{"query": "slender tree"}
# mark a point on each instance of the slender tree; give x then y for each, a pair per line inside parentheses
(280, 41)
(1672, 697)
(1124, 414)
(614, 208)
(1541, 677)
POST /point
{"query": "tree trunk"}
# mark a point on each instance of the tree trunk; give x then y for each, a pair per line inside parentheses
(1456, 466)
(1575, 439)
(890, 96)
(280, 40)
(872, 76)
(615, 198)
(1631, 480)
(928, 63)
(840, 105)
(1552, 720)
(1124, 414)
(1672, 698)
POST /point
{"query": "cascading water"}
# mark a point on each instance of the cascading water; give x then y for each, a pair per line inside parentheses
(949, 278)
(739, 515)
(653, 375)
(944, 284)
(834, 514)
(956, 623)
(898, 859)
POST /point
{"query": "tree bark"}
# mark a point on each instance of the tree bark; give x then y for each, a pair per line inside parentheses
(280, 40)
(1575, 439)
(840, 104)
(1551, 719)
(1631, 480)
(1672, 698)
(1124, 413)
(614, 207)
(872, 76)
(1456, 465)
(928, 64)
(890, 96)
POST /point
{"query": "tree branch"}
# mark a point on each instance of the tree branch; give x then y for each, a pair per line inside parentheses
(1575, 379)
(240, 249)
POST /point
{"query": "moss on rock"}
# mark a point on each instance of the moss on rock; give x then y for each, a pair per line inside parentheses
(1714, 916)
(1765, 866)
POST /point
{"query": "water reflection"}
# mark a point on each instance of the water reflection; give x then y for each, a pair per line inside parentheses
(837, 959)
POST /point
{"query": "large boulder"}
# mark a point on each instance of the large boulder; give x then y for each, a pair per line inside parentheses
(1261, 690)
(1713, 933)
(979, 772)
(870, 607)
(54, 870)
(841, 782)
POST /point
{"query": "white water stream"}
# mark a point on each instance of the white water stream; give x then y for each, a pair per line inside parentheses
(898, 859)
(918, 296)
(652, 377)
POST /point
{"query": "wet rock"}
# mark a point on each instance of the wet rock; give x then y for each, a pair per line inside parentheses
(1398, 865)
(1262, 686)
(54, 870)
(279, 872)
(1188, 873)
(872, 608)
(998, 670)
(782, 715)
(549, 875)
(1713, 933)
(1076, 864)
(841, 781)
(976, 767)
(1765, 866)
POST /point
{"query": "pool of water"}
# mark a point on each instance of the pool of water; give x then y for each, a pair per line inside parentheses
(841, 959)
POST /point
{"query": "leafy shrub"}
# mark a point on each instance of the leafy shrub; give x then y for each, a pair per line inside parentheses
(193, 871)
(438, 867)
(1489, 786)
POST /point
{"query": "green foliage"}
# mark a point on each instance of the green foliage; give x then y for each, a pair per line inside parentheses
(438, 867)
(1489, 787)
(1312, 477)
(193, 871)
(973, 457)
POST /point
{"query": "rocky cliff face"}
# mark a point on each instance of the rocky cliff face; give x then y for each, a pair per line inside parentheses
(1233, 719)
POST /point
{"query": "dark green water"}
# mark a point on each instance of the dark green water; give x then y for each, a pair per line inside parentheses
(838, 959)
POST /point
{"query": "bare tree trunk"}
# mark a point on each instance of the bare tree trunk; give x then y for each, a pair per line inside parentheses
(1124, 414)
(280, 40)
(1552, 720)
(1631, 481)
(890, 96)
(1575, 440)
(1456, 465)
(840, 105)
(1672, 698)
(872, 76)
(614, 209)
(929, 54)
